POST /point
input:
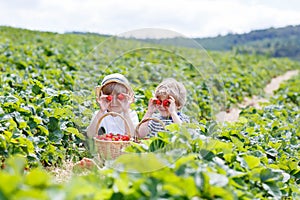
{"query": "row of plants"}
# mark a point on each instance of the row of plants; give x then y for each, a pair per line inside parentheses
(47, 100)
(254, 158)
(47, 96)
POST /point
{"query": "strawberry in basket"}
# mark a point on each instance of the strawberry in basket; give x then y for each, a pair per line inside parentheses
(113, 137)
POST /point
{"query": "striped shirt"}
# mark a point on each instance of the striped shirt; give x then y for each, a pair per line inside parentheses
(155, 127)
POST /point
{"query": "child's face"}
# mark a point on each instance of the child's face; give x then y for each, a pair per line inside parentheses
(114, 89)
(115, 105)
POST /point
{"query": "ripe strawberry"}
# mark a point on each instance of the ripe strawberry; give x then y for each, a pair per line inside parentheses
(109, 98)
(114, 137)
(166, 103)
(157, 102)
(125, 138)
(121, 97)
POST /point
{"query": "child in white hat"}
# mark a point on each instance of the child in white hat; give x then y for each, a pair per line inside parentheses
(113, 95)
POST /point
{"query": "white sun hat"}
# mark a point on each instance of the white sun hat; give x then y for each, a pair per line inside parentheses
(114, 78)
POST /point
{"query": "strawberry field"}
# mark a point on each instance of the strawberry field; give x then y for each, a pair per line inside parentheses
(47, 101)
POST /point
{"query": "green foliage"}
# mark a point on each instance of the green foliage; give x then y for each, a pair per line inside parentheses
(288, 92)
(47, 100)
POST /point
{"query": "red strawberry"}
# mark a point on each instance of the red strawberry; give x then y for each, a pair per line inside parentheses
(121, 97)
(109, 98)
(125, 138)
(166, 103)
(157, 102)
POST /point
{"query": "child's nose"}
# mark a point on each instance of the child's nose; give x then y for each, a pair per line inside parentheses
(114, 99)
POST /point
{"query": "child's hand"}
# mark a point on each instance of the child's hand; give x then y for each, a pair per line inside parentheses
(172, 108)
(103, 101)
(152, 105)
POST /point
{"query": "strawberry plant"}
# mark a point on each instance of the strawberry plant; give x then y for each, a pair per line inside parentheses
(47, 101)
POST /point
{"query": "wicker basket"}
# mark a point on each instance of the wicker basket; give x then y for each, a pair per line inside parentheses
(110, 150)
(136, 132)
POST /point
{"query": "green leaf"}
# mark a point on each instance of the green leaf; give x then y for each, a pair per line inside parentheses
(172, 189)
(140, 163)
(173, 127)
(31, 193)
(75, 131)
(224, 146)
(53, 124)
(222, 193)
(157, 144)
(238, 183)
(16, 164)
(252, 161)
(229, 157)
(36, 89)
(43, 130)
(243, 120)
(9, 184)
(37, 178)
(268, 175)
(237, 142)
(272, 189)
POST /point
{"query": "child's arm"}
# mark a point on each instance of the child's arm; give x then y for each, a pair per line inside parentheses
(143, 129)
(173, 111)
(125, 103)
(92, 129)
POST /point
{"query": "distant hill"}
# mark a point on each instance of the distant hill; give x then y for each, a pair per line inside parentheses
(275, 42)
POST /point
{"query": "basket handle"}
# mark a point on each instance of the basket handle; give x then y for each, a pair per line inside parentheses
(114, 114)
(136, 132)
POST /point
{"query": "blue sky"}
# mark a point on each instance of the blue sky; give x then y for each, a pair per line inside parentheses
(192, 18)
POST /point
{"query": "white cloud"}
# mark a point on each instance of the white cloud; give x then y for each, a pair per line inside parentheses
(193, 18)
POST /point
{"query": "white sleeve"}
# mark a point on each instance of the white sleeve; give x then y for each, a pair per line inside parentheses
(134, 118)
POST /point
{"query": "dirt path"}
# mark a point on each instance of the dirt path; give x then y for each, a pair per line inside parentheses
(233, 114)
(275, 82)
